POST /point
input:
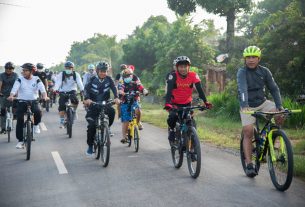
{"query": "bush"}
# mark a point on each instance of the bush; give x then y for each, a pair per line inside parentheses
(296, 120)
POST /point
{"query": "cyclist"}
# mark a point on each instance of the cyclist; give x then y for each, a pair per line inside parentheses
(87, 76)
(98, 90)
(51, 82)
(130, 84)
(118, 77)
(179, 91)
(67, 82)
(252, 80)
(41, 74)
(27, 88)
(7, 80)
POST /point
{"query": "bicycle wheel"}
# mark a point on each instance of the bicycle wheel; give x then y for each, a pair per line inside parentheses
(97, 143)
(129, 138)
(29, 137)
(8, 131)
(69, 122)
(281, 169)
(105, 146)
(136, 139)
(255, 152)
(176, 151)
(193, 153)
(51, 100)
(47, 106)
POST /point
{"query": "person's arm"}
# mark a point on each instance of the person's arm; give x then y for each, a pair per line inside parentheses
(15, 89)
(170, 87)
(200, 92)
(0, 87)
(58, 82)
(242, 88)
(113, 88)
(274, 90)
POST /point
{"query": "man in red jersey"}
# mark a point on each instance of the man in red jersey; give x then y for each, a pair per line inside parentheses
(180, 86)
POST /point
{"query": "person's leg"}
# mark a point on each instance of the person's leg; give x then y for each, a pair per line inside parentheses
(21, 109)
(3, 114)
(62, 110)
(171, 121)
(37, 117)
(125, 118)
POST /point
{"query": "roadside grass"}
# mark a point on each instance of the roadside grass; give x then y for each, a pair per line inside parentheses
(223, 132)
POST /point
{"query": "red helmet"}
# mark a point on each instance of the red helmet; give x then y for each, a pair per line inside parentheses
(131, 67)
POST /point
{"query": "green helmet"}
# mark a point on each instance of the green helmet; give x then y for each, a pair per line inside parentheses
(252, 51)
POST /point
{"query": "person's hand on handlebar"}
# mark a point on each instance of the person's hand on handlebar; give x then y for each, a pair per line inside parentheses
(87, 102)
(117, 101)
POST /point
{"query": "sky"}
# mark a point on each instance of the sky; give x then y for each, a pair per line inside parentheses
(44, 30)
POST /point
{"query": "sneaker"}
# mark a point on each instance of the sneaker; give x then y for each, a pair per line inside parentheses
(124, 140)
(89, 151)
(36, 129)
(20, 145)
(250, 170)
(3, 131)
(140, 126)
(111, 133)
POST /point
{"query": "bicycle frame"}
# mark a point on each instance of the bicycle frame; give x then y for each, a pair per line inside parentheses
(132, 124)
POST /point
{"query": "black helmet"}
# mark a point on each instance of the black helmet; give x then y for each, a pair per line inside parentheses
(39, 66)
(182, 60)
(69, 64)
(28, 66)
(104, 66)
(9, 65)
(123, 66)
(46, 70)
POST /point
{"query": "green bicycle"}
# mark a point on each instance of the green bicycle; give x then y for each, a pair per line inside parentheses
(271, 143)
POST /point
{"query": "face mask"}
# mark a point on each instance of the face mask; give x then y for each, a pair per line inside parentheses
(68, 72)
(128, 80)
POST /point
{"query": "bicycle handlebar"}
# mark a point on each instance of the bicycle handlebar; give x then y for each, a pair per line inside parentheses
(104, 103)
(201, 108)
(286, 111)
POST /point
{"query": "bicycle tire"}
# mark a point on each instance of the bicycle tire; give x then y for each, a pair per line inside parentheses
(136, 139)
(255, 152)
(129, 139)
(69, 122)
(281, 160)
(177, 152)
(8, 131)
(51, 101)
(193, 153)
(47, 106)
(105, 147)
(28, 139)
(97, 143)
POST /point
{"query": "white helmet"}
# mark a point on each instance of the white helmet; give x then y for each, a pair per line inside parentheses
(91, 67)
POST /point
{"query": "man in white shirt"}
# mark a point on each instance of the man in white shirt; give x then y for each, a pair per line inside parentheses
(27, 88)
(67, 83)
(91, 72)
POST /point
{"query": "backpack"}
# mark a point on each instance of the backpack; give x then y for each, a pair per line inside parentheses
(64, 75)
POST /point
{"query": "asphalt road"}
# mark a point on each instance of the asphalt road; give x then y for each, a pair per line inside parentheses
(146, 178)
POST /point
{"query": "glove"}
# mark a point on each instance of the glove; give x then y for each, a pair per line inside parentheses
(145, 92)
(208, 105)
(168, 107)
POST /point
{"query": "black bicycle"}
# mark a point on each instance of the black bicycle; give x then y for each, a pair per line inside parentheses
(101, 143)
(28, 128)
(187, 141)
(272, 143)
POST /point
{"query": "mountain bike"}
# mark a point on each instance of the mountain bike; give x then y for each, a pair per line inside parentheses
(101, 143)
(272, 143)
(28, 128)
(9, 122)
(70, 113)
(187, 141)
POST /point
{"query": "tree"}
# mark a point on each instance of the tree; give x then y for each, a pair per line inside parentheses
(229, 9)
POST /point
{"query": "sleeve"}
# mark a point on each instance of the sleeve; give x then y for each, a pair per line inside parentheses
(87, 90)
(196, 78)
(200, 91)
(85, 80)
(118, 76)
(274, 89)
(170, 86)
(40, 86)
(1, 78)
(113, 88)
(58, 81)
(79, 82)
(242, 88)
(16, 87)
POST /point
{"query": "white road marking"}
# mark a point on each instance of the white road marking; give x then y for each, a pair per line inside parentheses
(59, 163)
(43, 126)
(133, 156)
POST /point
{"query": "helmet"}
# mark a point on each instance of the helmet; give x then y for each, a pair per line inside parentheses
(28, 66)
(69, 64)
(252, 51)
(9, 65)
(91, 67)
(47, 70)
(104, 66)
(182, 60)
(131, 67)
(39, 66)
(123, 66)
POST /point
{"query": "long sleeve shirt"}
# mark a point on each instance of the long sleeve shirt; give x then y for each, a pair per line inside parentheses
(251, 87)
(68, 84)
(28, 88)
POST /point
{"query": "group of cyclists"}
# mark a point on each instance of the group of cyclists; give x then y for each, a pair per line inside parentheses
(96, 85)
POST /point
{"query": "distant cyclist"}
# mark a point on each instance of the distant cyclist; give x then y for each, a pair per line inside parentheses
(26, 88)
(67, 83)
(7, 80)
(41, 74)
(88, 75)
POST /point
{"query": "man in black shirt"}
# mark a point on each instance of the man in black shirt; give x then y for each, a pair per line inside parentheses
(98, 90)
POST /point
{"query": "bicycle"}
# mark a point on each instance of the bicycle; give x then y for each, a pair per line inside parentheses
(187, 141)
(133, 129)
(101, 143)
(28, 128)
(70, 113)
(9, 122)
(273, 143)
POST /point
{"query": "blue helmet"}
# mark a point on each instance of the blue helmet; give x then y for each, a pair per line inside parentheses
(69, 64)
